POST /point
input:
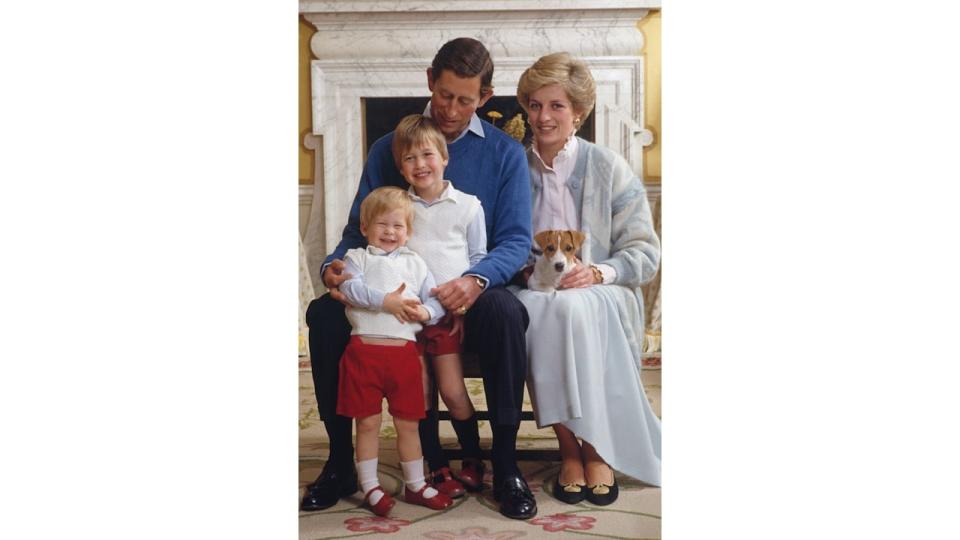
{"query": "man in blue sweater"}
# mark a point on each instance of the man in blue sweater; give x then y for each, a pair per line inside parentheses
(484, 162)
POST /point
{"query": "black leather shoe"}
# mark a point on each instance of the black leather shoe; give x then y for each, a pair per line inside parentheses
(602, 494)
(516, 501)
(569, 493)
(327, 489)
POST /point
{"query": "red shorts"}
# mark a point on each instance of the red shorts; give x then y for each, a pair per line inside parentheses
(434, 340)
(369, 373)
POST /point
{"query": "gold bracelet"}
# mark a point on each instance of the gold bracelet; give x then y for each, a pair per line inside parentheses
(597, 274)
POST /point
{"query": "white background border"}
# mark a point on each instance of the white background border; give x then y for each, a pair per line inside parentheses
(809, 311)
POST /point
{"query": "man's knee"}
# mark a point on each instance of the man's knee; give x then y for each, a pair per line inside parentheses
(500, 307)
(323, 311)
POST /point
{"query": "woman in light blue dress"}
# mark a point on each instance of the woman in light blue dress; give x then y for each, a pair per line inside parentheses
(584, 340)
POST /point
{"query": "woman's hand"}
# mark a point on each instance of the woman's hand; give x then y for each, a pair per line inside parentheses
(581, 276)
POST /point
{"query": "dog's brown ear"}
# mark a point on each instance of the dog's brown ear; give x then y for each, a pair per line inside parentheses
(578, 238)
(542, 237)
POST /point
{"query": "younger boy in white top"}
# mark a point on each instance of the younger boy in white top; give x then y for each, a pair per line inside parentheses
(381, 359)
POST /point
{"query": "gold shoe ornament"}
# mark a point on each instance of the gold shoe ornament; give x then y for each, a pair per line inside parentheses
(600, 489)
(572, 487)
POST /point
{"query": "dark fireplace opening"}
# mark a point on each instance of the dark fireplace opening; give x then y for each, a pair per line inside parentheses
(381, 115)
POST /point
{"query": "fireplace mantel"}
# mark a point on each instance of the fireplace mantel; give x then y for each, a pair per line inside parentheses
(378, 48)
(374, 31)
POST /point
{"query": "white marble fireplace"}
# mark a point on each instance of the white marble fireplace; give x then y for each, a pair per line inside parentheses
(370, 48)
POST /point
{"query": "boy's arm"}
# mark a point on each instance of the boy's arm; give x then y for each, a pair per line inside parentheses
(430, 302)
(477, 237)
(356, 289)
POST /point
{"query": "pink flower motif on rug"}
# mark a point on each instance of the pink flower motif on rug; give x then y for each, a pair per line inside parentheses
(474, 533)
(375, 524)
(561, 522)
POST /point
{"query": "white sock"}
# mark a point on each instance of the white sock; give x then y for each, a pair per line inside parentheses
(413, 477)
(367, 471)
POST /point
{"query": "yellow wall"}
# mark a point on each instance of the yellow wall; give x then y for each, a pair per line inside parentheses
(306, 156)
(650, 26)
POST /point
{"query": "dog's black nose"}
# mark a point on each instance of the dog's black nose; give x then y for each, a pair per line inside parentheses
(559, 266)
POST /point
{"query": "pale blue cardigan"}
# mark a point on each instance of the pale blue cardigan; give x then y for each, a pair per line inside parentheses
(615, 216)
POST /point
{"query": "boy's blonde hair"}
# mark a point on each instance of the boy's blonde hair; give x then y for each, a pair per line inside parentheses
(386, 199)
(572, 74)
(414, 131)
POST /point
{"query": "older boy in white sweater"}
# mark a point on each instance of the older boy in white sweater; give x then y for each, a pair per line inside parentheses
(451, 237)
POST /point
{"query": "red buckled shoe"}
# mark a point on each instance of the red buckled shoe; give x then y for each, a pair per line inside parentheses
(383, 506)
(437, 502)
(471, 474)
(442, 480)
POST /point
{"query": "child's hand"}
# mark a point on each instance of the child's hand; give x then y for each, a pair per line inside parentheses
(394, 303)
(457, 326)
(415, 311)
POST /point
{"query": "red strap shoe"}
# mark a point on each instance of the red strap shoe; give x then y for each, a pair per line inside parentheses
(437, 502)
(383, 506)
(471, 474)
(442, 480)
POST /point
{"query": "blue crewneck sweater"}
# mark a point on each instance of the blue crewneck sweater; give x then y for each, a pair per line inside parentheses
(493, 168)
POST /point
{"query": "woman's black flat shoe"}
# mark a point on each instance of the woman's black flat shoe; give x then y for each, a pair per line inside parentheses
(602, 494)
(569, 493)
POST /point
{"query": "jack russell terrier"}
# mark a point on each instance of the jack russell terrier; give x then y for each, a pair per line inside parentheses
(555, 258)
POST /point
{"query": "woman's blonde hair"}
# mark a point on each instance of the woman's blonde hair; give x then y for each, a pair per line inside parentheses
(572, 74)
(414, 131)
(386, 199)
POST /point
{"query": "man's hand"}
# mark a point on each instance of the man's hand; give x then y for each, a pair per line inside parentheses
(457, 293)
(580, 276)
(333, 276)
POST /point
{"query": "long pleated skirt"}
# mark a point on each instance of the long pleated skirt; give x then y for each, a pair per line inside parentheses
(584, 373)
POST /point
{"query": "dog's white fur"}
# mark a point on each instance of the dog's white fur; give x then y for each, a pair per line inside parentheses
(557, 257)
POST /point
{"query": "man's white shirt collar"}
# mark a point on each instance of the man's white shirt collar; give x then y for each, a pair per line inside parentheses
(474, 126)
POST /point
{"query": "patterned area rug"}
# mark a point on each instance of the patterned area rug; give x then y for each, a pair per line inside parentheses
(636, 514)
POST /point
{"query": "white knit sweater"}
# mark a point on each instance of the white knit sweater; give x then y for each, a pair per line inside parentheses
(440, 233)
(386, 273)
